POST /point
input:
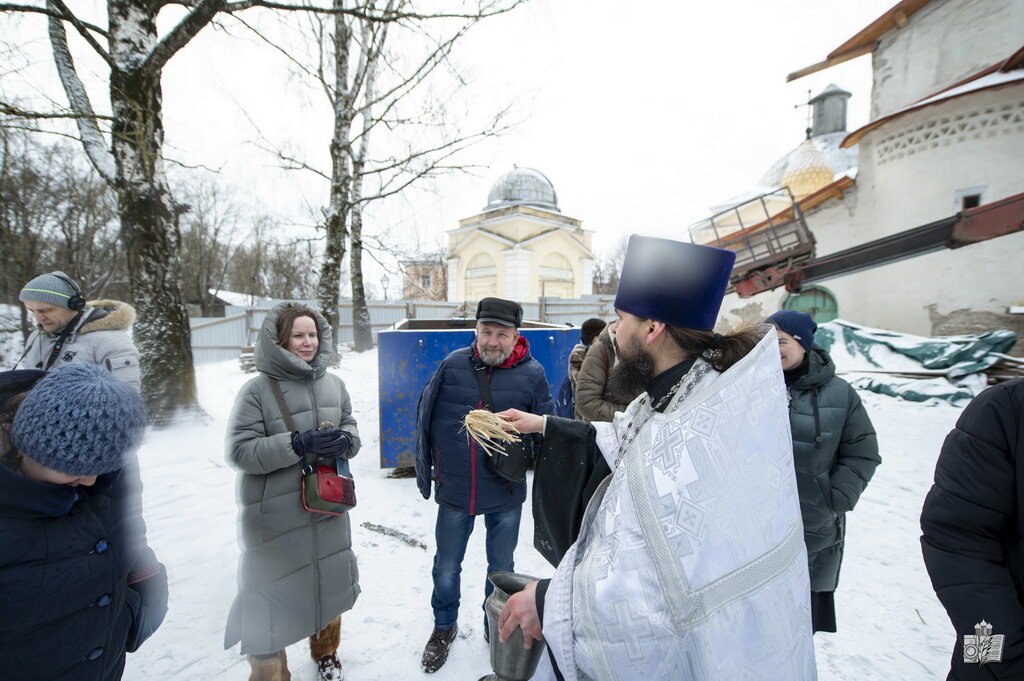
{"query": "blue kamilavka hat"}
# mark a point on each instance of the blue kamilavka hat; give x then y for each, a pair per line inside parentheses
(674, 282)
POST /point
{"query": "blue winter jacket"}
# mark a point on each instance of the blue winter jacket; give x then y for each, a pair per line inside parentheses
(70, 605)
(459, 465)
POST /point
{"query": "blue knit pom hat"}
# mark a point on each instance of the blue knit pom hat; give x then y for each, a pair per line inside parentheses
(79, 420)
(799, 325)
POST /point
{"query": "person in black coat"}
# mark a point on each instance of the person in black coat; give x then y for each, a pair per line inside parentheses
(79, 587)
(973, 535)
(835, 452)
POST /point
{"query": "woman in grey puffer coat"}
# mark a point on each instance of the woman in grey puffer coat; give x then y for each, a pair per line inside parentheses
(835, 453)
(297, 571)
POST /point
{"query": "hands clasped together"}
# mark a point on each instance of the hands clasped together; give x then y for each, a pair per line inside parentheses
(330, 443)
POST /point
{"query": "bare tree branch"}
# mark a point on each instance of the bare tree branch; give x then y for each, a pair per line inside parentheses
(82, 29)
(92, 138)
(11, 7)
(291, 163)
(179, 36)
(287, 55)
(488, 9)
(11, 110)
(41, 130)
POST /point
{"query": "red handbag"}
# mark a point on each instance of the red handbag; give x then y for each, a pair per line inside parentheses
(325, 488)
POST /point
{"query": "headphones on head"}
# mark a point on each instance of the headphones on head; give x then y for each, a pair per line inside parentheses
(76, 301)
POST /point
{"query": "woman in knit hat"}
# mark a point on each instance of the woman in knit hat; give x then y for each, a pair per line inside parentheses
(79, 587)
(834, 449)
(297, 572)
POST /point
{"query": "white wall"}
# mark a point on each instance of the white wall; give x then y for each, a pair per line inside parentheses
(943, 43)
(982, 145)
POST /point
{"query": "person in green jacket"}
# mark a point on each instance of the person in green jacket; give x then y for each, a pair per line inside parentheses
(835, 452)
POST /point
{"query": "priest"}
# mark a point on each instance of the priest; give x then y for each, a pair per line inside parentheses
(676, 527)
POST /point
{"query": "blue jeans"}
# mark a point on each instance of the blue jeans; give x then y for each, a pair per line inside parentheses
(452, 535)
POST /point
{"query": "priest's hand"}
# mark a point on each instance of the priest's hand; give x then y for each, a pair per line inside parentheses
(524, 421)
(521, 611)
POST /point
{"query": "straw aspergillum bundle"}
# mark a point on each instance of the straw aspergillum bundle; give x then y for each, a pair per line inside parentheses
(489, 430)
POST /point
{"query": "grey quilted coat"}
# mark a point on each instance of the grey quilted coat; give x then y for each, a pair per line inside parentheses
(835, 452)
(297, 570)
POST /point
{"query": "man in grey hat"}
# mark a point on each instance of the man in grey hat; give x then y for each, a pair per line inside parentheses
(68, 329)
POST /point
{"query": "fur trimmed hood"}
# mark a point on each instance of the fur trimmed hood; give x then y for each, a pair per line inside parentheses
(106, 315)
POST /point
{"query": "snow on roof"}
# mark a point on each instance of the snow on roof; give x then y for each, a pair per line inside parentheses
(971, 85)
(237, 299)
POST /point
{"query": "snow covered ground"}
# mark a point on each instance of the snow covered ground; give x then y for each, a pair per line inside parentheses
(890, 624)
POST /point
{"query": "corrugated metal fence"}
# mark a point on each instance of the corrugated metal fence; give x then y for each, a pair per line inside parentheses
(216, 339)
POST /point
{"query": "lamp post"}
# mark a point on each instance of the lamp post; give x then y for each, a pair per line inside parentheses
(384, 281)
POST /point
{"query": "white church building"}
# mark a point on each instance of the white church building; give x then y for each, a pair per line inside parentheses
(946, 133)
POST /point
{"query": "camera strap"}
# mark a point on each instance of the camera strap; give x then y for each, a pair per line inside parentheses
(482, 380)
(59, 345)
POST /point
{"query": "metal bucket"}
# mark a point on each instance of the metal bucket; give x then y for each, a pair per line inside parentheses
(509, 660)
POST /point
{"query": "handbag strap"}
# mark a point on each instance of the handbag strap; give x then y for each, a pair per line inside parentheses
(285, 412)
(481, 380)
(307, 460)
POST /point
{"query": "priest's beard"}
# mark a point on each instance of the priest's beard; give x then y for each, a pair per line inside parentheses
(630, 375)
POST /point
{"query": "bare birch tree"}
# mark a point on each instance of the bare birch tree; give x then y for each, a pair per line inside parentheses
(369, 91)
(128, 156)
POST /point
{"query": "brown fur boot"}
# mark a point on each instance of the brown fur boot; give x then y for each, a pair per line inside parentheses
(274, 668)
(323, 648)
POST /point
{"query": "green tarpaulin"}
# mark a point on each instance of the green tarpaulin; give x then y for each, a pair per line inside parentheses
(950, 365)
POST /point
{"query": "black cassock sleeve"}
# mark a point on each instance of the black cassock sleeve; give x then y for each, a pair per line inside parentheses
(569, 468)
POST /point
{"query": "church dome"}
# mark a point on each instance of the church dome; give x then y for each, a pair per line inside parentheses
(807, 171)
(523, 187)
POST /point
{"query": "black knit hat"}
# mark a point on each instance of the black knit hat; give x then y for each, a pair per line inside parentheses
(799, 325)
(590, 329)
(15, 382)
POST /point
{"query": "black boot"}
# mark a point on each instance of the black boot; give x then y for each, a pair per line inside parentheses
(436, 652)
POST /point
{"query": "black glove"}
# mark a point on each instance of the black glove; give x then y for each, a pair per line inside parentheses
(330, 443)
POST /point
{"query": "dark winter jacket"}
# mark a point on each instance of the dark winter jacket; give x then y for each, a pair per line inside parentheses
(459, 466)
(973, 541)
(835, 452)
(594, 400)
(297, 571)
(76, 577)
(100, 336)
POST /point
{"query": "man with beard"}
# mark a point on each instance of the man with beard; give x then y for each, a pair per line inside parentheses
(605, 385)
(498, 363)
(687, 560)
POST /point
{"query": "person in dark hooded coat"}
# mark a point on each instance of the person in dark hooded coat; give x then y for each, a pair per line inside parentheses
(973, 537)
(79, 586)
(834, 449)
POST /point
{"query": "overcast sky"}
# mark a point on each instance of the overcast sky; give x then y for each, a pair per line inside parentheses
(642, 114)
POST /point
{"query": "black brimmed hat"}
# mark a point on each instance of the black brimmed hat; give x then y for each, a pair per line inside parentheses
(498, 311)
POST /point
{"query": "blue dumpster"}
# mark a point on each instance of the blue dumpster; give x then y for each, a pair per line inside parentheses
(408, 354)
